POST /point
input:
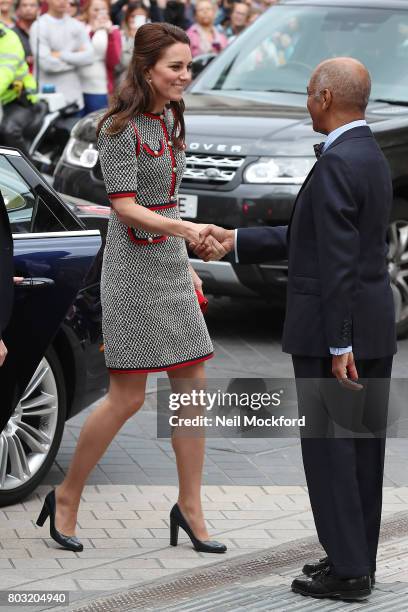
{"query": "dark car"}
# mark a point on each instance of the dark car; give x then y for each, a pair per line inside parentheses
(55, 364)
(250, 138)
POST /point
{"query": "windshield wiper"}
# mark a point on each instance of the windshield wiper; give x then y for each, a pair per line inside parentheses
(289, 91)
(395, 102)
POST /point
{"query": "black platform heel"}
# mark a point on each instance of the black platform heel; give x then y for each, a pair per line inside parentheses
(48, 510)
(177, 520)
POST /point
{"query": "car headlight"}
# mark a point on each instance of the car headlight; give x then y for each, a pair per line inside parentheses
(80, 153)
(279, 170)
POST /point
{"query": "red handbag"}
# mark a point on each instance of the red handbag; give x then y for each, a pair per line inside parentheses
(202, 301)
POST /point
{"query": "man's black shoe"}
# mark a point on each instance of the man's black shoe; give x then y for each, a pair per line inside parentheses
(324, 584)
(311, 569)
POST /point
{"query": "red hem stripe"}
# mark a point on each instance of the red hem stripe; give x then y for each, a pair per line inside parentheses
(172, 367)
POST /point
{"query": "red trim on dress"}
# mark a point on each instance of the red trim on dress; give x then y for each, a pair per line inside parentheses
(161, 206)
(137, 138)
(152, 152)
(173, 159)
(144, 240)
(124, 194)
(151, 115)
(171, 367)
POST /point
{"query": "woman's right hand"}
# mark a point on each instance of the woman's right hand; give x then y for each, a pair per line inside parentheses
(190, 231)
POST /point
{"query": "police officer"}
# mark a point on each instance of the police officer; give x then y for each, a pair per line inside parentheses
(17, 90)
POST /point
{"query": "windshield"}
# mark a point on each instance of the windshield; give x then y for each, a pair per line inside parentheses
(279, 52)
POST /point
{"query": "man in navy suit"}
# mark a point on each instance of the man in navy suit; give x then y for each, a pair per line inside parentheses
(339, 316)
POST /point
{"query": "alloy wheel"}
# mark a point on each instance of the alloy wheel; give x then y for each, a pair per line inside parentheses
(27, 438)
(398, 268)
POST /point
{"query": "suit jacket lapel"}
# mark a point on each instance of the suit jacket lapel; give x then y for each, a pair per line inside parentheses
(357, 132)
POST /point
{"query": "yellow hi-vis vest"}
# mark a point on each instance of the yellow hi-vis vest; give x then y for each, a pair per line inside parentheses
(15, 77)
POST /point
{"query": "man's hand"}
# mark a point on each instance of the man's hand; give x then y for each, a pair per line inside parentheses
(344, 369)
(56, 54)
(215, 242)
(3, 352)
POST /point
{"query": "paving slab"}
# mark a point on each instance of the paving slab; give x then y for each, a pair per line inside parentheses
(128, 557)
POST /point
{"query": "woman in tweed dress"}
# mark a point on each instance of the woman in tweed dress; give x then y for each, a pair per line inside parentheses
(151, 317)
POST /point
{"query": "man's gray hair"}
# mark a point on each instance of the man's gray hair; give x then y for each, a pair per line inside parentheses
(349, 82)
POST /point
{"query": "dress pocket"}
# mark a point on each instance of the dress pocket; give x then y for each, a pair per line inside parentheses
(154, 152)
(141, 237)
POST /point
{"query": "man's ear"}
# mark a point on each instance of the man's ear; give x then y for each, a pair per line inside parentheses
(327, 99)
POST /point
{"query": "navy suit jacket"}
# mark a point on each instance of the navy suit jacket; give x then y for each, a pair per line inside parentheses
(6, 268)
(339, 291)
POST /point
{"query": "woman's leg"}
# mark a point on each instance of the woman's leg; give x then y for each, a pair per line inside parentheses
(125, 397)
(189, 447)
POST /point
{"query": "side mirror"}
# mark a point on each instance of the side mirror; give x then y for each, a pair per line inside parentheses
(200, 62)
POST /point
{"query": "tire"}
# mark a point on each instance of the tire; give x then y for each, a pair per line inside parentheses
(30, 442)
(398, 263)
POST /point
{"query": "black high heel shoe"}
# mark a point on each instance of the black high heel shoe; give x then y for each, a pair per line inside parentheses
(177, 520)
(48, 509)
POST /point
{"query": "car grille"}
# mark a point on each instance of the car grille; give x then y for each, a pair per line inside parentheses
(219, 169)
(203, 168)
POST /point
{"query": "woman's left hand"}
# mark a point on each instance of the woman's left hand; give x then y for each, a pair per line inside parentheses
(197, 282)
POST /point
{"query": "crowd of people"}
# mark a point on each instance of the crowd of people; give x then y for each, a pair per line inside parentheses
(83, 47)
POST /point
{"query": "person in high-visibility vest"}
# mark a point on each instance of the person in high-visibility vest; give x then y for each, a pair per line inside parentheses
(17, 90)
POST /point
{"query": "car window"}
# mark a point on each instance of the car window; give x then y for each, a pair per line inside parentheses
(19, 200)
(281, 49)
(28, 211)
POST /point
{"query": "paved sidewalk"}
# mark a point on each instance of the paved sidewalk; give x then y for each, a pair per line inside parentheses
(254, 495)
(125, 531)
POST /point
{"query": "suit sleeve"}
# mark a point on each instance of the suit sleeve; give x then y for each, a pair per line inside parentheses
(261, 244)
(335, 211)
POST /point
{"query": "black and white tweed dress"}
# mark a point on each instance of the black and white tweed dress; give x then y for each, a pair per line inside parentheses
(151, 317)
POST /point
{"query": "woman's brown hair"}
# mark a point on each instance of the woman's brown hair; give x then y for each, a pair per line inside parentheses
(135, 94)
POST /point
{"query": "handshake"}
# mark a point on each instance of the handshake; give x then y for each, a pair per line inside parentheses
(210, 242)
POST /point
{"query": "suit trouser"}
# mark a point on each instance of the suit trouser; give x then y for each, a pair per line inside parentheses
(345, 476)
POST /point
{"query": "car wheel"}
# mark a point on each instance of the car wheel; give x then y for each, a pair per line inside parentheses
(398, 264)
(31, 438)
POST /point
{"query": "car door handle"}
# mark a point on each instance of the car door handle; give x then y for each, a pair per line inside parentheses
(36, 282)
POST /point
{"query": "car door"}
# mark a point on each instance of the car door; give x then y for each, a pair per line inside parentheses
(53, 252)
